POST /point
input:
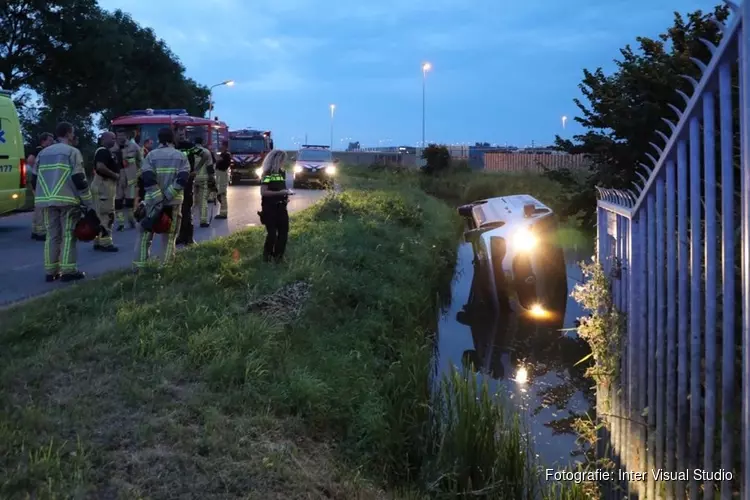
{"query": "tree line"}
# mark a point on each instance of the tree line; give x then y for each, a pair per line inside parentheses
(72, 60)
(622, 111)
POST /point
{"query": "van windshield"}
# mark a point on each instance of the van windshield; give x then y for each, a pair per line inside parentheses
(314, 155)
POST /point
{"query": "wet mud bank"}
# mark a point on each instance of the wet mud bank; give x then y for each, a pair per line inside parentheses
(531, 363)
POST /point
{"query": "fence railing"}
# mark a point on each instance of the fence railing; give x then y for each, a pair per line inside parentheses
(677, 249)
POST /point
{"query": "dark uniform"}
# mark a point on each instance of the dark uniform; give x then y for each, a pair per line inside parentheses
(274, 216)
(185, 236)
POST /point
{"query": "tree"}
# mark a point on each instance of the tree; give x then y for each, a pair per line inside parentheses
(82, 60)
(438, 159)
(624, 109)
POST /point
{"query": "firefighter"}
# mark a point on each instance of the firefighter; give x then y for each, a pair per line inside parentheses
(62, 189)
(103, 189)
(166, 175)
(185, 236)
(222, 178)
(204, 178)
(38, 230)
(129, 155)
(148, 145)
(274, 198)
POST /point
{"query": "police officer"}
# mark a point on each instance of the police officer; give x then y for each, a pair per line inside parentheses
(38, 230)
(129, 155)
(274, 198)
(222, 178)
(166, 174)
(204, 178)
(61, 189)
(103, 189)
(185, 236)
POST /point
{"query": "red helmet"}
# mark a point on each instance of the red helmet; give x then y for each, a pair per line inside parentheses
(162, 223)
(85, 230)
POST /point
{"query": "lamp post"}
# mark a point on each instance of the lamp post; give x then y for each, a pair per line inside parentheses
(333, 108)
(425, 68)
(228, 83)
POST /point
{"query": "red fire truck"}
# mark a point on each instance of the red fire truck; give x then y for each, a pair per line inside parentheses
(144, 124)
(248, 147)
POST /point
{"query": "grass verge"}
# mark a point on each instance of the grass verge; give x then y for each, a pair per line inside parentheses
(223, 377)
(161, 386)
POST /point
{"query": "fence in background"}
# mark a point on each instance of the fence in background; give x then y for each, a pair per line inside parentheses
(677, 251)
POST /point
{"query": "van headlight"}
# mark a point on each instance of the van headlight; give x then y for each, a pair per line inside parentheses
(524, 240)
(259, 171)
(297, 169)
(331, 169)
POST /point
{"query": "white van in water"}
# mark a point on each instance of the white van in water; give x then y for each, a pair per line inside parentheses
(515, 245)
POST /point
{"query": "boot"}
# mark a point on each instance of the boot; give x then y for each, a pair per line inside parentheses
(74, 276)
(52, 277)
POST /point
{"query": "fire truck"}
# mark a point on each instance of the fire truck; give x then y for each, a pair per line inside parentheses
(248, 147)
(143, 124)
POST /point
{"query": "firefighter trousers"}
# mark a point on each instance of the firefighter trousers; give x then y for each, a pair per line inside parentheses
(276, 220)
(222, 184)
(103, 191)
(146, 238)
(200, 197)
(38, 226)
(185, 235)
(125, 196)
(60, 245)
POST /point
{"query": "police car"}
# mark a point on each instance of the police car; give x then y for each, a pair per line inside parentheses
(516, 249)
(314, 165)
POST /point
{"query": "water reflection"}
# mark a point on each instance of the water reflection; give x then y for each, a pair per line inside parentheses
(528, 360)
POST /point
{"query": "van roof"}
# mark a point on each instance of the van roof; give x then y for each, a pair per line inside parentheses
(510, 209)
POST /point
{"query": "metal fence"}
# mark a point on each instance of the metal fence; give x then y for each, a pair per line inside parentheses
(678, 250)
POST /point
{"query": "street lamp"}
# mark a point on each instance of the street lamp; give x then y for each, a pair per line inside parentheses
(425, 68)
(228, 83)
(333, 108)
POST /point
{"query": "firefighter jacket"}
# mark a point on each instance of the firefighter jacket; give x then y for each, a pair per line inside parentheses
(132, 156)
(61, 179)
(204, 167)
(165, 173)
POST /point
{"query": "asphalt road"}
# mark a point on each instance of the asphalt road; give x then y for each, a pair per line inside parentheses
(21, 258)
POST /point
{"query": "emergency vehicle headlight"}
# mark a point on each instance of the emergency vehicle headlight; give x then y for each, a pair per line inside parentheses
(259, 171)
(524, 240)
(331, 169)
(297, 169)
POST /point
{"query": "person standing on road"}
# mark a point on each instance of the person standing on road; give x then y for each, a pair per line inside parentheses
(61, 189)
(38, 229)
(274, 198)
(103, 189)
(222, 178)
(166, 174)
(185, 236)
(129, 155)
(204, 177)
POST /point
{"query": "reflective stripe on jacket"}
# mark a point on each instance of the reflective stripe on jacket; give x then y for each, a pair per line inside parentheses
(165, 172)
(61, 179)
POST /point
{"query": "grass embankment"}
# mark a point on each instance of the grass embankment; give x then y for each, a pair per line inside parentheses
(224, 377)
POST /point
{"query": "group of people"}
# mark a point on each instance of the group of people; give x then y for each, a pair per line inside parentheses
(136, 186)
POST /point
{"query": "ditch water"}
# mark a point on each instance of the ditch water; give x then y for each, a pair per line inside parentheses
(530, 366)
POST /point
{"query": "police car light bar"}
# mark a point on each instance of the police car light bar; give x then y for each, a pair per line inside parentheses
(313, 146)
(149, 112)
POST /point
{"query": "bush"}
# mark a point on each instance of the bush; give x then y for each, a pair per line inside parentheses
(438, 159)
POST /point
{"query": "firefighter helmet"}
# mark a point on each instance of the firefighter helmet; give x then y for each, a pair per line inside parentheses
(162, 223)
(87, 227)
